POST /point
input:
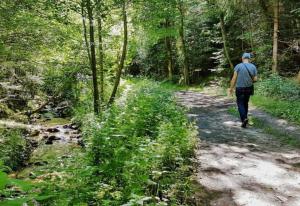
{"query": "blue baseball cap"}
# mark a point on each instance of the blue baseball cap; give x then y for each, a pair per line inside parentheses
(246, 56)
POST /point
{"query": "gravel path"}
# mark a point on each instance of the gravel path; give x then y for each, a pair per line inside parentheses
(248, 166)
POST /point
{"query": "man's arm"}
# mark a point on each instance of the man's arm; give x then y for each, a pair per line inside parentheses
(233, 83)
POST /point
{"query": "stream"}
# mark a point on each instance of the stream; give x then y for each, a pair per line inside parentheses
(50, 140)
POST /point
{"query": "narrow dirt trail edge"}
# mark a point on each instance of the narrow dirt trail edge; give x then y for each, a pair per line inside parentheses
(247, 166)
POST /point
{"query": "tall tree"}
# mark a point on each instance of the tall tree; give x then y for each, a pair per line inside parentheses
(275, 36)
(87, 46)
(93, 56)
(124, 53)
(100, 14)
(225, 42)
(168, 44)
(186, 75)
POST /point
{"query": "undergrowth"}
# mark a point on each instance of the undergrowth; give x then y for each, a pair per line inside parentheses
(279, 96)
(14, 149)
(141, 153)
(138, 153)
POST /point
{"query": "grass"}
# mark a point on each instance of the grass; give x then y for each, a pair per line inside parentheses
(281, 135)
(233, 111)
(289, 110)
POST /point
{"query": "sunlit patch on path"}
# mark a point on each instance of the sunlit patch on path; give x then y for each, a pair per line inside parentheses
(249, 165)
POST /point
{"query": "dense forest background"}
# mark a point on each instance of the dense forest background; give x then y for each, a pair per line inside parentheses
(65, 42)
(70, 59)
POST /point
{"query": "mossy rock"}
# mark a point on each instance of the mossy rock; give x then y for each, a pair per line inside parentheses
(5, 111)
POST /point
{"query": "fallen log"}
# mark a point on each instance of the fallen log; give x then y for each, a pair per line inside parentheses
(31, 112)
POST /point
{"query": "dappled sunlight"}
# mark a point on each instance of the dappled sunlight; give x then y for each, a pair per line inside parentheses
(191, 100)
(249, 165)
(249, 175)
(281, 124)
(231, 123)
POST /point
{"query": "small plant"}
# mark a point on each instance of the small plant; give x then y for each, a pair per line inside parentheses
(279, 96)
(141, 149)
(14, 149)
(276, 86)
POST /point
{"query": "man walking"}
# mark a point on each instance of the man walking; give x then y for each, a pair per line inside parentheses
(245, 74)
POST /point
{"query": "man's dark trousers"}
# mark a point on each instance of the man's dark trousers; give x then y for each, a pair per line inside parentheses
(242, 98)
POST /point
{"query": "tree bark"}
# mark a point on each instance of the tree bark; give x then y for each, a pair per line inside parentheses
(93, 57)
(183, 45)
(85, 31)
(251, 30)
(275, 37)
(225, 46)
(123, 57)
(168, 44)
(101, 57)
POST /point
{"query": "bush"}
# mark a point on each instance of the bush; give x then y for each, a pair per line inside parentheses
(14, 150)
(281, 108)
(138, 154)
(280, 97)
(276, 86)
(140, 148)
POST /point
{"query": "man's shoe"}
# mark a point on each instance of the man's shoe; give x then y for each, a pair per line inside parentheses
(244, 124)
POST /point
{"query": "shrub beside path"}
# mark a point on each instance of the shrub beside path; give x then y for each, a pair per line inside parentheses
(245, 167)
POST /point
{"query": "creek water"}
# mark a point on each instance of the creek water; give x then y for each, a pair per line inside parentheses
(50, 141)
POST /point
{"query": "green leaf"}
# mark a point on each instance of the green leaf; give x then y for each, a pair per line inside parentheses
(43, 197)
(16, 202)
(25, 186)
(3, 180)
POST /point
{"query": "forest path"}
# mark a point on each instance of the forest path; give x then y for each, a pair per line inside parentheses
(245, 167)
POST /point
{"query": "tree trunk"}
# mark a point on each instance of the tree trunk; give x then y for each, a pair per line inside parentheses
(101, 57)
(168, 44)
(226, 52)
(275, 37)
(93, 57)
(183, 46)
(85, 31)
(123, 57)
(298, 77)
(251, 30)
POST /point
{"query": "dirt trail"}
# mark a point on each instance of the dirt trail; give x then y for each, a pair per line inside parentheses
(247, 166)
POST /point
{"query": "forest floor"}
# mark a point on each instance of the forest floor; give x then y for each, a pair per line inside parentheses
(257, 166)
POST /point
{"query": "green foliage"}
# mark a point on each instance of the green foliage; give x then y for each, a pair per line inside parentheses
(61, 83)
(282, 135)
(17, 192)
(281, 108)
(279, 87)
(279, 96)
(141, 148)
(5, 112)
(14, 150)
(139, 153)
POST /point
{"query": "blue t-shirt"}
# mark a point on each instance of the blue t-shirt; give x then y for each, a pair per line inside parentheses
(244, 79)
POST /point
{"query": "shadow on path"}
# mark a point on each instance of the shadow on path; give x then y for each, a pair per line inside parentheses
(249, 166)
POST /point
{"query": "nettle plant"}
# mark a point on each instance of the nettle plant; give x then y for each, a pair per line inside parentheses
(276, 86)
(140, 147)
